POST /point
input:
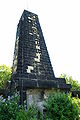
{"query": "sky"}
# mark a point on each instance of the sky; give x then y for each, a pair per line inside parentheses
(60, 23)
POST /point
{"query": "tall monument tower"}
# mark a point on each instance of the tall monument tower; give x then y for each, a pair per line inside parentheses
(32, 70)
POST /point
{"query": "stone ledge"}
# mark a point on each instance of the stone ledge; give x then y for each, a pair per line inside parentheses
(45, 84)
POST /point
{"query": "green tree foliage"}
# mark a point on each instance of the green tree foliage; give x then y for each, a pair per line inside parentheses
(61, 106)
(5, 74)
(74, 83)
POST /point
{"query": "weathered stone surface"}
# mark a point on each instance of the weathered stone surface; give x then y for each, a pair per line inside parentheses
(31, 58)
(36, 97)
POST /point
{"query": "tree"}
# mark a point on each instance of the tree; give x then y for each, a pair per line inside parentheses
(5, 74)
(74, 83)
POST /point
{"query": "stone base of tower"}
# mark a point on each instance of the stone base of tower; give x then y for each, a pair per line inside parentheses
(36, 97)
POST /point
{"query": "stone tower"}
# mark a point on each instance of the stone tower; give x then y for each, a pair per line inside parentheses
(32, 73)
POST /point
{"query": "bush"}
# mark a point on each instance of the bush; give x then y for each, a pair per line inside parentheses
(61, 106)
(8, 107)
(29, 114)
(11, 110)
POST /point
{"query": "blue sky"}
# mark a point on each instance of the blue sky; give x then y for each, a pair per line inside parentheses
(60, 23)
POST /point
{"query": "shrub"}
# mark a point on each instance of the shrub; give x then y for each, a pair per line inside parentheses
(8, 107)
(29, 114)
(11, 110)
(61, 106)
